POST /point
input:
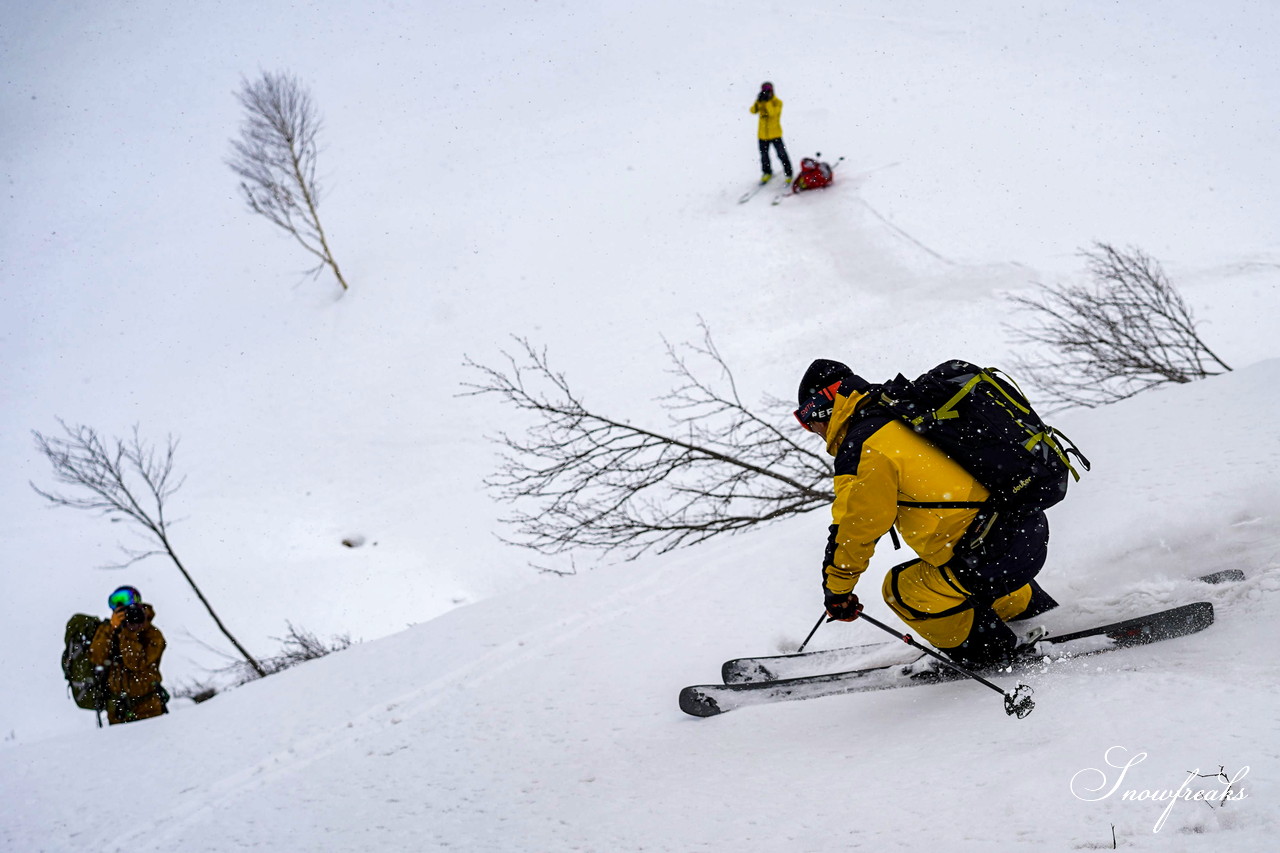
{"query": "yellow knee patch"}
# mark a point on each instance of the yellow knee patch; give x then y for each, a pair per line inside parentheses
(923, 594)
(1011, 605)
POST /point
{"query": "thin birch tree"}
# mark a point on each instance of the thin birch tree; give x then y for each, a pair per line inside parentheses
(275, 158)
(127, 481)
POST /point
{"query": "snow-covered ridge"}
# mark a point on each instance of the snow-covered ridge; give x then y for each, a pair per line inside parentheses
(546, 719)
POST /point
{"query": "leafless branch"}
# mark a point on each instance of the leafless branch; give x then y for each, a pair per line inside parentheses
(594, 481)
(1126, 332)
(298, 646)
(275, 158)
(125, 480)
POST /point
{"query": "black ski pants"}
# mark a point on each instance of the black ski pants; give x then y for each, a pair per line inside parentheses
(962, 607)
(766, 165)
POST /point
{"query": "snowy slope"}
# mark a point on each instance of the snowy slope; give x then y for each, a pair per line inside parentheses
(546, 720)
(569, 172)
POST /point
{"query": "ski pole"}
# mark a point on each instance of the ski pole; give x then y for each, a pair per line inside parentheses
(821, 619)
(1018, 703)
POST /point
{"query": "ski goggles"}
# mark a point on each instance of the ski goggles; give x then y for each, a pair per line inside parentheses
(818, 407)
(123, 597)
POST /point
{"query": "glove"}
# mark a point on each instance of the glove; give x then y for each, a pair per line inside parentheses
(842, 606)
(117, 618)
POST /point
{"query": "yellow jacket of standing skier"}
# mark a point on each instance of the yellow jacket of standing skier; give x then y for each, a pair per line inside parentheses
(770, 112)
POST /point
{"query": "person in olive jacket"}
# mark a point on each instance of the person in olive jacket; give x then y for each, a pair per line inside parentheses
(129, 647)
(769, 107)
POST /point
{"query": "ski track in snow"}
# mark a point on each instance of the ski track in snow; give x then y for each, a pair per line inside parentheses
(166, 832)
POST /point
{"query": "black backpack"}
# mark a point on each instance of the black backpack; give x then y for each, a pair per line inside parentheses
(983, 421)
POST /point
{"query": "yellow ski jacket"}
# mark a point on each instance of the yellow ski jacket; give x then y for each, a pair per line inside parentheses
(770, 112)
(882, 466)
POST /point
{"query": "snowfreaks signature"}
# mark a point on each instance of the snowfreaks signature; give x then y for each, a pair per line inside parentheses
(1082, 789)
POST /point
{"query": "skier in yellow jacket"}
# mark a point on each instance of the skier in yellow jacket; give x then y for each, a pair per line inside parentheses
(769, 108)
(886, 475)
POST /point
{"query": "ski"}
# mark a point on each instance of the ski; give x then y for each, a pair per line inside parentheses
(1151, 628)
(708, 700)
(751, 193)
(775, 667)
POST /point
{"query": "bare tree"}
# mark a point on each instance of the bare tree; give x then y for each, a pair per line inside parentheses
(125, 481)
(298, 646)
(1128, 331)
(275, 158)
(599, 482)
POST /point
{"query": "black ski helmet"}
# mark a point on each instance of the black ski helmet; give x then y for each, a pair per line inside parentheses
(816, 397)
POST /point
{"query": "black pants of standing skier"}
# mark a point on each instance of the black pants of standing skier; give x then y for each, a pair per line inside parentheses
(766, 165)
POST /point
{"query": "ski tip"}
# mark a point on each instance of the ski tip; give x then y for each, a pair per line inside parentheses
(1191, 619)
(1224, 576)
(1197, 615)
(698, 704)
(1178, 622)
(744, 671)
(1201, 615)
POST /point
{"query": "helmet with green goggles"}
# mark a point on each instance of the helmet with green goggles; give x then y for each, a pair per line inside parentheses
(125, 596)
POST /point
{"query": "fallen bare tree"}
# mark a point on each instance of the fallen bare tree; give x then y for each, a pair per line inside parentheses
(126, 481)
(1127, 331)
(298, 646)
(594, 481)
(275, 158)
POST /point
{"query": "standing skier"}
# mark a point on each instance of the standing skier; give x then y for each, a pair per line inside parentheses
(129, 647)
(769, 108)
(886, 476)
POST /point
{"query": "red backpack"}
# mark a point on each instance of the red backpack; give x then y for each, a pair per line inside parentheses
(813, 175)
